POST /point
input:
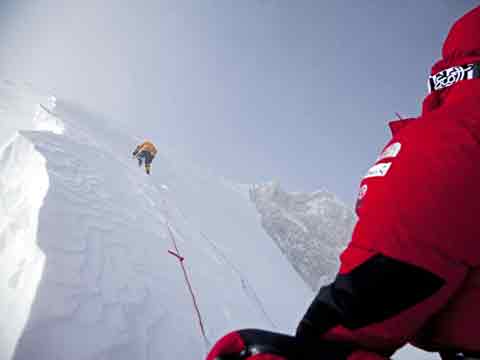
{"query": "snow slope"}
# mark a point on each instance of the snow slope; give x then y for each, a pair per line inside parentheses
(310, 228)
(84, 235)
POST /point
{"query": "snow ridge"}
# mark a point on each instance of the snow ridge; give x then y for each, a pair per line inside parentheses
(84, 241)
(21, 260)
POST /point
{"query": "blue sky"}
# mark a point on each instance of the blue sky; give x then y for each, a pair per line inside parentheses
(298, 91)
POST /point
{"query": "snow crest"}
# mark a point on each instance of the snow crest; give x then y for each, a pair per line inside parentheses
(310, 228)
(23, 185)
(84, 241)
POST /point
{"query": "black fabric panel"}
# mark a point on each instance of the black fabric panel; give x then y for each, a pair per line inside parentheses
(372, 292)
(320, 317)
(459, 355)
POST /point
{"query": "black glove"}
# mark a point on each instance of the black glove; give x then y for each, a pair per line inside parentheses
(244, 344)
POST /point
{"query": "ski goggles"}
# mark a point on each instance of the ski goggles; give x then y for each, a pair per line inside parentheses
(450, 76)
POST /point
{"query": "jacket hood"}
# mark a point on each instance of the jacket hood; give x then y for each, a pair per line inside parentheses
(461, 47)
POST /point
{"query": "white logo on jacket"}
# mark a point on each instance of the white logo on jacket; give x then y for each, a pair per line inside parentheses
(450, 76)
(378, 170)
(362, 192)
(390, 152)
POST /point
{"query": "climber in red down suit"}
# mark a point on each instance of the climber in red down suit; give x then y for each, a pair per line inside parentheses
(411, 272)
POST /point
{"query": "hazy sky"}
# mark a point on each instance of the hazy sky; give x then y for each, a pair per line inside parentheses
(298, 91)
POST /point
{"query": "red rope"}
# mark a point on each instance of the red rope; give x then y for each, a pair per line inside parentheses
(176, 255)
(185, 274)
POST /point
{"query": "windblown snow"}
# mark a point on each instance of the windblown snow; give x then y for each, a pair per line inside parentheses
(85, 271)
(310, 228)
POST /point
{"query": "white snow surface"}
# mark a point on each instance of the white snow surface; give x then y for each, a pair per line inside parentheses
(84, 267)
(311, 229)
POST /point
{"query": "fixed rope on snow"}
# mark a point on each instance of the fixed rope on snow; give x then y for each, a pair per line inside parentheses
(181, 260)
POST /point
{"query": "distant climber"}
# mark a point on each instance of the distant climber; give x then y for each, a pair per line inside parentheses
(145, 152)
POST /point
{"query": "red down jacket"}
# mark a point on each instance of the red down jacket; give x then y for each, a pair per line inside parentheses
(411, 273)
